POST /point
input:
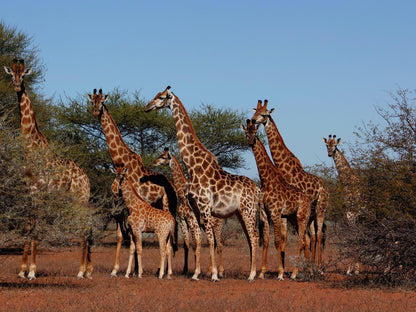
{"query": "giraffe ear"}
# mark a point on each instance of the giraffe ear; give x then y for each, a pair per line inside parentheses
(325, 140)
(243, 127)
(339, 140)
(271, 110)
(89, 96)
(27, 71)
(8, 70)
(105, 98)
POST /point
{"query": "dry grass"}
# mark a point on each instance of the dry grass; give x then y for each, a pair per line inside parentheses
(57, 289)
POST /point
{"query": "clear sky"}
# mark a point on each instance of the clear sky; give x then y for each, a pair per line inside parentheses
(323, 65)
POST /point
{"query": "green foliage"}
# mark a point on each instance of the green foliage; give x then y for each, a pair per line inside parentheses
(16, 44)
(219, 130)
(29, 208)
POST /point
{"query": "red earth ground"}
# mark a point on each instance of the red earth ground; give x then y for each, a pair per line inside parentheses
(57, 289)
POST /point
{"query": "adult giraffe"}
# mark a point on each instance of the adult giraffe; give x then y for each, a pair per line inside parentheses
(292, 170)
(281, 200)
(352, 200)
(188, 219)
(154, 187)
(62, 173)
(216, 192)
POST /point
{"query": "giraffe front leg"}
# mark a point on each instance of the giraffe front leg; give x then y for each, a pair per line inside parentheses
(90, 266)
(25, 259)
(119, 236)
(81, 270)
(32, 268)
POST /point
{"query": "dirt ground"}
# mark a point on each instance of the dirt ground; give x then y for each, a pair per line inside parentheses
(57, 289)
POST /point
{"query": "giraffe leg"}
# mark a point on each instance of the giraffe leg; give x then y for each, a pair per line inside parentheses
(163, 252)
(132, 253)
(169, 257)
(320, 217)
(83, 258)
(248, 222)
(197, 240)
(313, 240)
(185, 232)
(218, 238)
(266, 238)
(284, 240)
(139, 248)
(277, 226)
(89, 264)
(119, 236)
(302, 224)
(32, 268)
(25, 259)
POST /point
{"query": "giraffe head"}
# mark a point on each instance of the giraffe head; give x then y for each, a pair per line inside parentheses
(163, 159)
(97, 101)
(18, 72)
(161, 100)
(331, 144)
(261, 113)
(121, 174)
(251, 130)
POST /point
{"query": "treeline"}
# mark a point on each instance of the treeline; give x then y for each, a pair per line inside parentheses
(383, 156)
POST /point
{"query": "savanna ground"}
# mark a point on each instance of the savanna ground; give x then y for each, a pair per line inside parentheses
(57, 289)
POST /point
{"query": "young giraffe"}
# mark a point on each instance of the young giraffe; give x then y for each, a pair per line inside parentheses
(154, 187)
(292, 170)
(143, 218)
(187, 215)
(352, 194)
(62, 173)
(280, 198)
(216, 192)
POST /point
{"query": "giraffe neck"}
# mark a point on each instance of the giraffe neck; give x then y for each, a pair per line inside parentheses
(130, 195)
(265, 166)
(189, 145)
(119, 151)
(283, 158)
(345, 172)
(28, 125)
(178, 176)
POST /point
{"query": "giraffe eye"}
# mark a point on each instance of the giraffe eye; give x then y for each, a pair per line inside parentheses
(161, 98)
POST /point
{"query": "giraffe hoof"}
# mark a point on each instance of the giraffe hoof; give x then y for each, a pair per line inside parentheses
(195, 279)
(21, 275)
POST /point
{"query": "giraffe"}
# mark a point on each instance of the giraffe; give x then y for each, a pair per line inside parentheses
(154, 187)
(187, 215)
(352, 198)
(280, 199)
(143, 218)
(62, 173)
(215, 191)
(292, 170)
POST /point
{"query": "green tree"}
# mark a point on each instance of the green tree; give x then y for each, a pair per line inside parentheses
(15, 44)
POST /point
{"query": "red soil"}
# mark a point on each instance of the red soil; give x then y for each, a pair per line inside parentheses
(57, 289)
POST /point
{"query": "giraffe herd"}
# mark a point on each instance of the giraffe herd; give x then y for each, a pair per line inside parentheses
(202, 198)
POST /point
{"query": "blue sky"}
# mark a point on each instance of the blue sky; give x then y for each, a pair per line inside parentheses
(323, 65)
